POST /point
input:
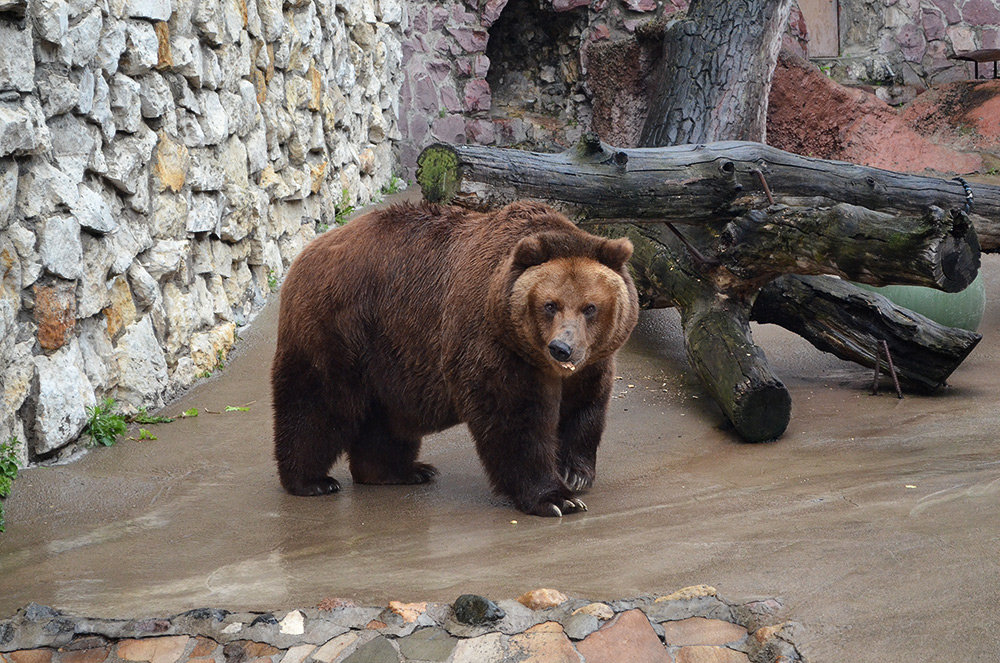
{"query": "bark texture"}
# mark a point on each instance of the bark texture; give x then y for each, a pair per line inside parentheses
(716, 73)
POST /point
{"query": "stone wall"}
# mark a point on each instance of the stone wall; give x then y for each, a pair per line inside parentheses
(901, 47)
(161, 163)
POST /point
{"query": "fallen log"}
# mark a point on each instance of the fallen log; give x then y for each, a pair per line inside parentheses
(753, 214)
(850, 323)
(683, 183)
(915, 227)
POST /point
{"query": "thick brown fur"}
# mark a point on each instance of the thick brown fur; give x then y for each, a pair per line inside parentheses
(416, 318)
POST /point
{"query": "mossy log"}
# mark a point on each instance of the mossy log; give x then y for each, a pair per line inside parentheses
(752, 213)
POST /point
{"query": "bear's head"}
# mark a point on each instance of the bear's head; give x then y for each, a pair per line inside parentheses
(572, 301)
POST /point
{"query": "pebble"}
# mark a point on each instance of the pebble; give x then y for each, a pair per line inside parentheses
(475, 610)
(540, 599)
(679, 630)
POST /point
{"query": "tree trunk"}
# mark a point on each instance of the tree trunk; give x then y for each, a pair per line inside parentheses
(716, 73)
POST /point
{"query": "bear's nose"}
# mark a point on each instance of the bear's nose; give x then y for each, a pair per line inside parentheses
(560, 350)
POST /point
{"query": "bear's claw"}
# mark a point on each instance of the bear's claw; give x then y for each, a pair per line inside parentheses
(554, 510)
(577, 481)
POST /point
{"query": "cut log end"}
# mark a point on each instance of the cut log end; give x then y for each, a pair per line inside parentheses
(762, 414)
(438, 174)
(959, 258)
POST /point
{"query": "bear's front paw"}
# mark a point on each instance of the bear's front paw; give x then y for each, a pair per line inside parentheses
(311, 488)
(557, 507)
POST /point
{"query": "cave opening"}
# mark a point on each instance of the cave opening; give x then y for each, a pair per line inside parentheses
(539, 97)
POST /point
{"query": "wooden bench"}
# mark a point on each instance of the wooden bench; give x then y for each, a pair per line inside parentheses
(976, 57)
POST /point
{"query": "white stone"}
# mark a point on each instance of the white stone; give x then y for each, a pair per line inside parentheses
(22, 127)
(83, 39)
(235, 627)
(111, 46)
(142, 367)
(390, 11)
(155, 97)
(256, 144)
(51, 19)
(60, 247)
(214, 120)
(141, 48)
(74, 143)
(17, 66)
(125, 103)
(293, 623)
(189, 130)
(8, 190)
(57, 92)
(204, 213)
(145, 290)
(128, 158)
(43, 188)
(92, 293)
(101, 111)
(211, 70)
(164, 257)
(186, 53)
(272, 19)
(84, 80)
(129, 241)
(31, 262)
(156, 10)
(206, 174)
(93, 212)
(96, 349)
(64, 394)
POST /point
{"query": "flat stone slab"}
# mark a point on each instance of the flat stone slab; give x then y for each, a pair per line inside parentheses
(573, 628)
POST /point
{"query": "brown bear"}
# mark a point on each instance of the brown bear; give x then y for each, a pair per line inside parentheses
(413, 319)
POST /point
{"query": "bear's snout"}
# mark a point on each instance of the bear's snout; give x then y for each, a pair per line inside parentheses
(560, 350)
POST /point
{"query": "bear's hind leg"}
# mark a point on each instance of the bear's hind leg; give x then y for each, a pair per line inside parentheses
(312, 428)
(380, 457)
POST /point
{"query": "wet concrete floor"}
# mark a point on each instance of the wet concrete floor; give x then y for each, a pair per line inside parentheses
(876, 521)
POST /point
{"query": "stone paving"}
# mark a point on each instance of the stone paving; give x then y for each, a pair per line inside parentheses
(692, 625)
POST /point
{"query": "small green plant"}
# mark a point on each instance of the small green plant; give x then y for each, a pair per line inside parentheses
(144, 434)
(395, 185)
(272, 280)
(237, 408)
(190, 412)
(104, 426)
(143, 417)
(343, 209)
(442, 113)
(8, 471)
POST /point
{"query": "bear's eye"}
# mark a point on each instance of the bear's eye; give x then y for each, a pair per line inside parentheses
(589, 311)
(551, 308)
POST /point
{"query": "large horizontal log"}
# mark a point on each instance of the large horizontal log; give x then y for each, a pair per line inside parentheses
(684, 183)
(900, 229)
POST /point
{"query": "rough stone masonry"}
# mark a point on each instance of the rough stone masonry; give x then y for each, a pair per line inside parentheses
(161, 163)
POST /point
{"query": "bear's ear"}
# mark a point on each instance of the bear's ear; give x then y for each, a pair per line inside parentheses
(530, 251)
(615, 252)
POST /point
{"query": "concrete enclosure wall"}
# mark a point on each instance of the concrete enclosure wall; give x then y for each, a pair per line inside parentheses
(161, 163)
